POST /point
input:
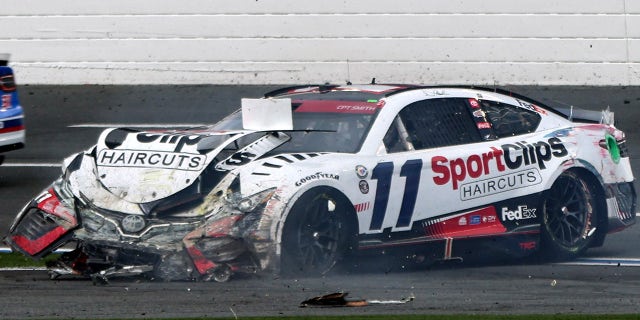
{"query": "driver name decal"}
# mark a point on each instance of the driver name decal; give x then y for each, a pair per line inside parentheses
(151, 159)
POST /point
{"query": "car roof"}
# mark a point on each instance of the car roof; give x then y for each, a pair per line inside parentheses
(374, 92)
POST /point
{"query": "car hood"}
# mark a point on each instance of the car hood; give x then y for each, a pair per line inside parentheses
(141, 167)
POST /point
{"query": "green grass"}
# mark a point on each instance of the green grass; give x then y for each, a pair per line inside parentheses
(15, 259)
(447, 317)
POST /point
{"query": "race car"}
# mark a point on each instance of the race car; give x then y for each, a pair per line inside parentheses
(12, 134)
(305, 178)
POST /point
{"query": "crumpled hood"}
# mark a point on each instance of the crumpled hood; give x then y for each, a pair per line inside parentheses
(142, 167)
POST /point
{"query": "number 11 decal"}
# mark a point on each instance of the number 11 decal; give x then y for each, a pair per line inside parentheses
(383, 172)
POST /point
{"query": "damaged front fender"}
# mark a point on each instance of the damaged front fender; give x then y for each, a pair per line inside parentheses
(45, 223)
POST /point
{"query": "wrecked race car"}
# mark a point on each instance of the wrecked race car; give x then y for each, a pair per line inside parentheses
(307, 176)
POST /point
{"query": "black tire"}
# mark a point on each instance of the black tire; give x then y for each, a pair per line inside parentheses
(568, 217)
(316, 235)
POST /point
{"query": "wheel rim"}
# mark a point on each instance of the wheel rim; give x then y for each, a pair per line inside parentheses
(318, 237)
(567, 211)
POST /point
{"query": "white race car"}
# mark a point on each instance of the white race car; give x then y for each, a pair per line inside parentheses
(307, 176)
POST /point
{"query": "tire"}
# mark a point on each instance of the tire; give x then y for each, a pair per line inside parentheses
(316, 235)
(568, 217)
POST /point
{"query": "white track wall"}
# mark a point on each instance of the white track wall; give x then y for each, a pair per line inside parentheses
(502, 42)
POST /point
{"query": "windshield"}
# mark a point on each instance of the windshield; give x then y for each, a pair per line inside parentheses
(314, 131)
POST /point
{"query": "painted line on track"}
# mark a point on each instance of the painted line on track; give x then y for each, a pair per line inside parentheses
(59, 250)
(32, 164)
(137, 125)
(618, 262)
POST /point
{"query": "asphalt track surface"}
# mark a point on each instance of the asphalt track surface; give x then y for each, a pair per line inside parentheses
(64, 120)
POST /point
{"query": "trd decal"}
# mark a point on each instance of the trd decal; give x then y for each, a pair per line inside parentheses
(383, 173)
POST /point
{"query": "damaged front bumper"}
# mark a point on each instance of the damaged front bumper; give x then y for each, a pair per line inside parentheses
(232, 238)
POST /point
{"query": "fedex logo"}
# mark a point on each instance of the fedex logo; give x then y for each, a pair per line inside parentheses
(521, 213)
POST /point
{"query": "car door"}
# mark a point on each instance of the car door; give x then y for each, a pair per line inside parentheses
(432, 148)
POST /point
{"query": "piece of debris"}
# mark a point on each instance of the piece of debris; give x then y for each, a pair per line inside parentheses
(338, 299)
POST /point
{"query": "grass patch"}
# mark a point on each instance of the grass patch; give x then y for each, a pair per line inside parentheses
(446, 317)
(16, 259)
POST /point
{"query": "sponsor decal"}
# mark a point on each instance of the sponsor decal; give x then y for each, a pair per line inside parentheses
(361, 171)
(531, 106)
(116, 137)
(474, 103)
(509, 156)
(478, 114)
(465, 224)
(489, 219)
(364, 186)
(362, 206)
(503, 183)
(529, 245)
(179, 140)
(151, 159)
(520, 213)
(317, 176)
(6, 101)
(240, 158)
(484, 125)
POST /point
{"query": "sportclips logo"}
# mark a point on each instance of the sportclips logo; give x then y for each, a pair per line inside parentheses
(509, 157)
(157, 159)
(151, 159)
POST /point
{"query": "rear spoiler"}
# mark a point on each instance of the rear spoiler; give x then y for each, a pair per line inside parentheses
(589, 116)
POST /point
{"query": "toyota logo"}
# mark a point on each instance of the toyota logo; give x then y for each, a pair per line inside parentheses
(133, 223)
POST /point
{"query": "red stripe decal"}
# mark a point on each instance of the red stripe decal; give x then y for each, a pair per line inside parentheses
(330, 106)
(12, 129)
(32, 247)
(483, 221)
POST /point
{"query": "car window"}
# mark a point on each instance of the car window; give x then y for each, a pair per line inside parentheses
(508, 120)
(312, 131)
(432, 123)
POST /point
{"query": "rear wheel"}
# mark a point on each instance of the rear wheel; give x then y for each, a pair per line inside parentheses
(316, 235)
(568, 219)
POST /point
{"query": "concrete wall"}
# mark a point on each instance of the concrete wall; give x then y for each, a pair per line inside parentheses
(545, 42)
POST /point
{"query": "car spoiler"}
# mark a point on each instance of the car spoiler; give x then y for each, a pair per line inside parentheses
(589, 116)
